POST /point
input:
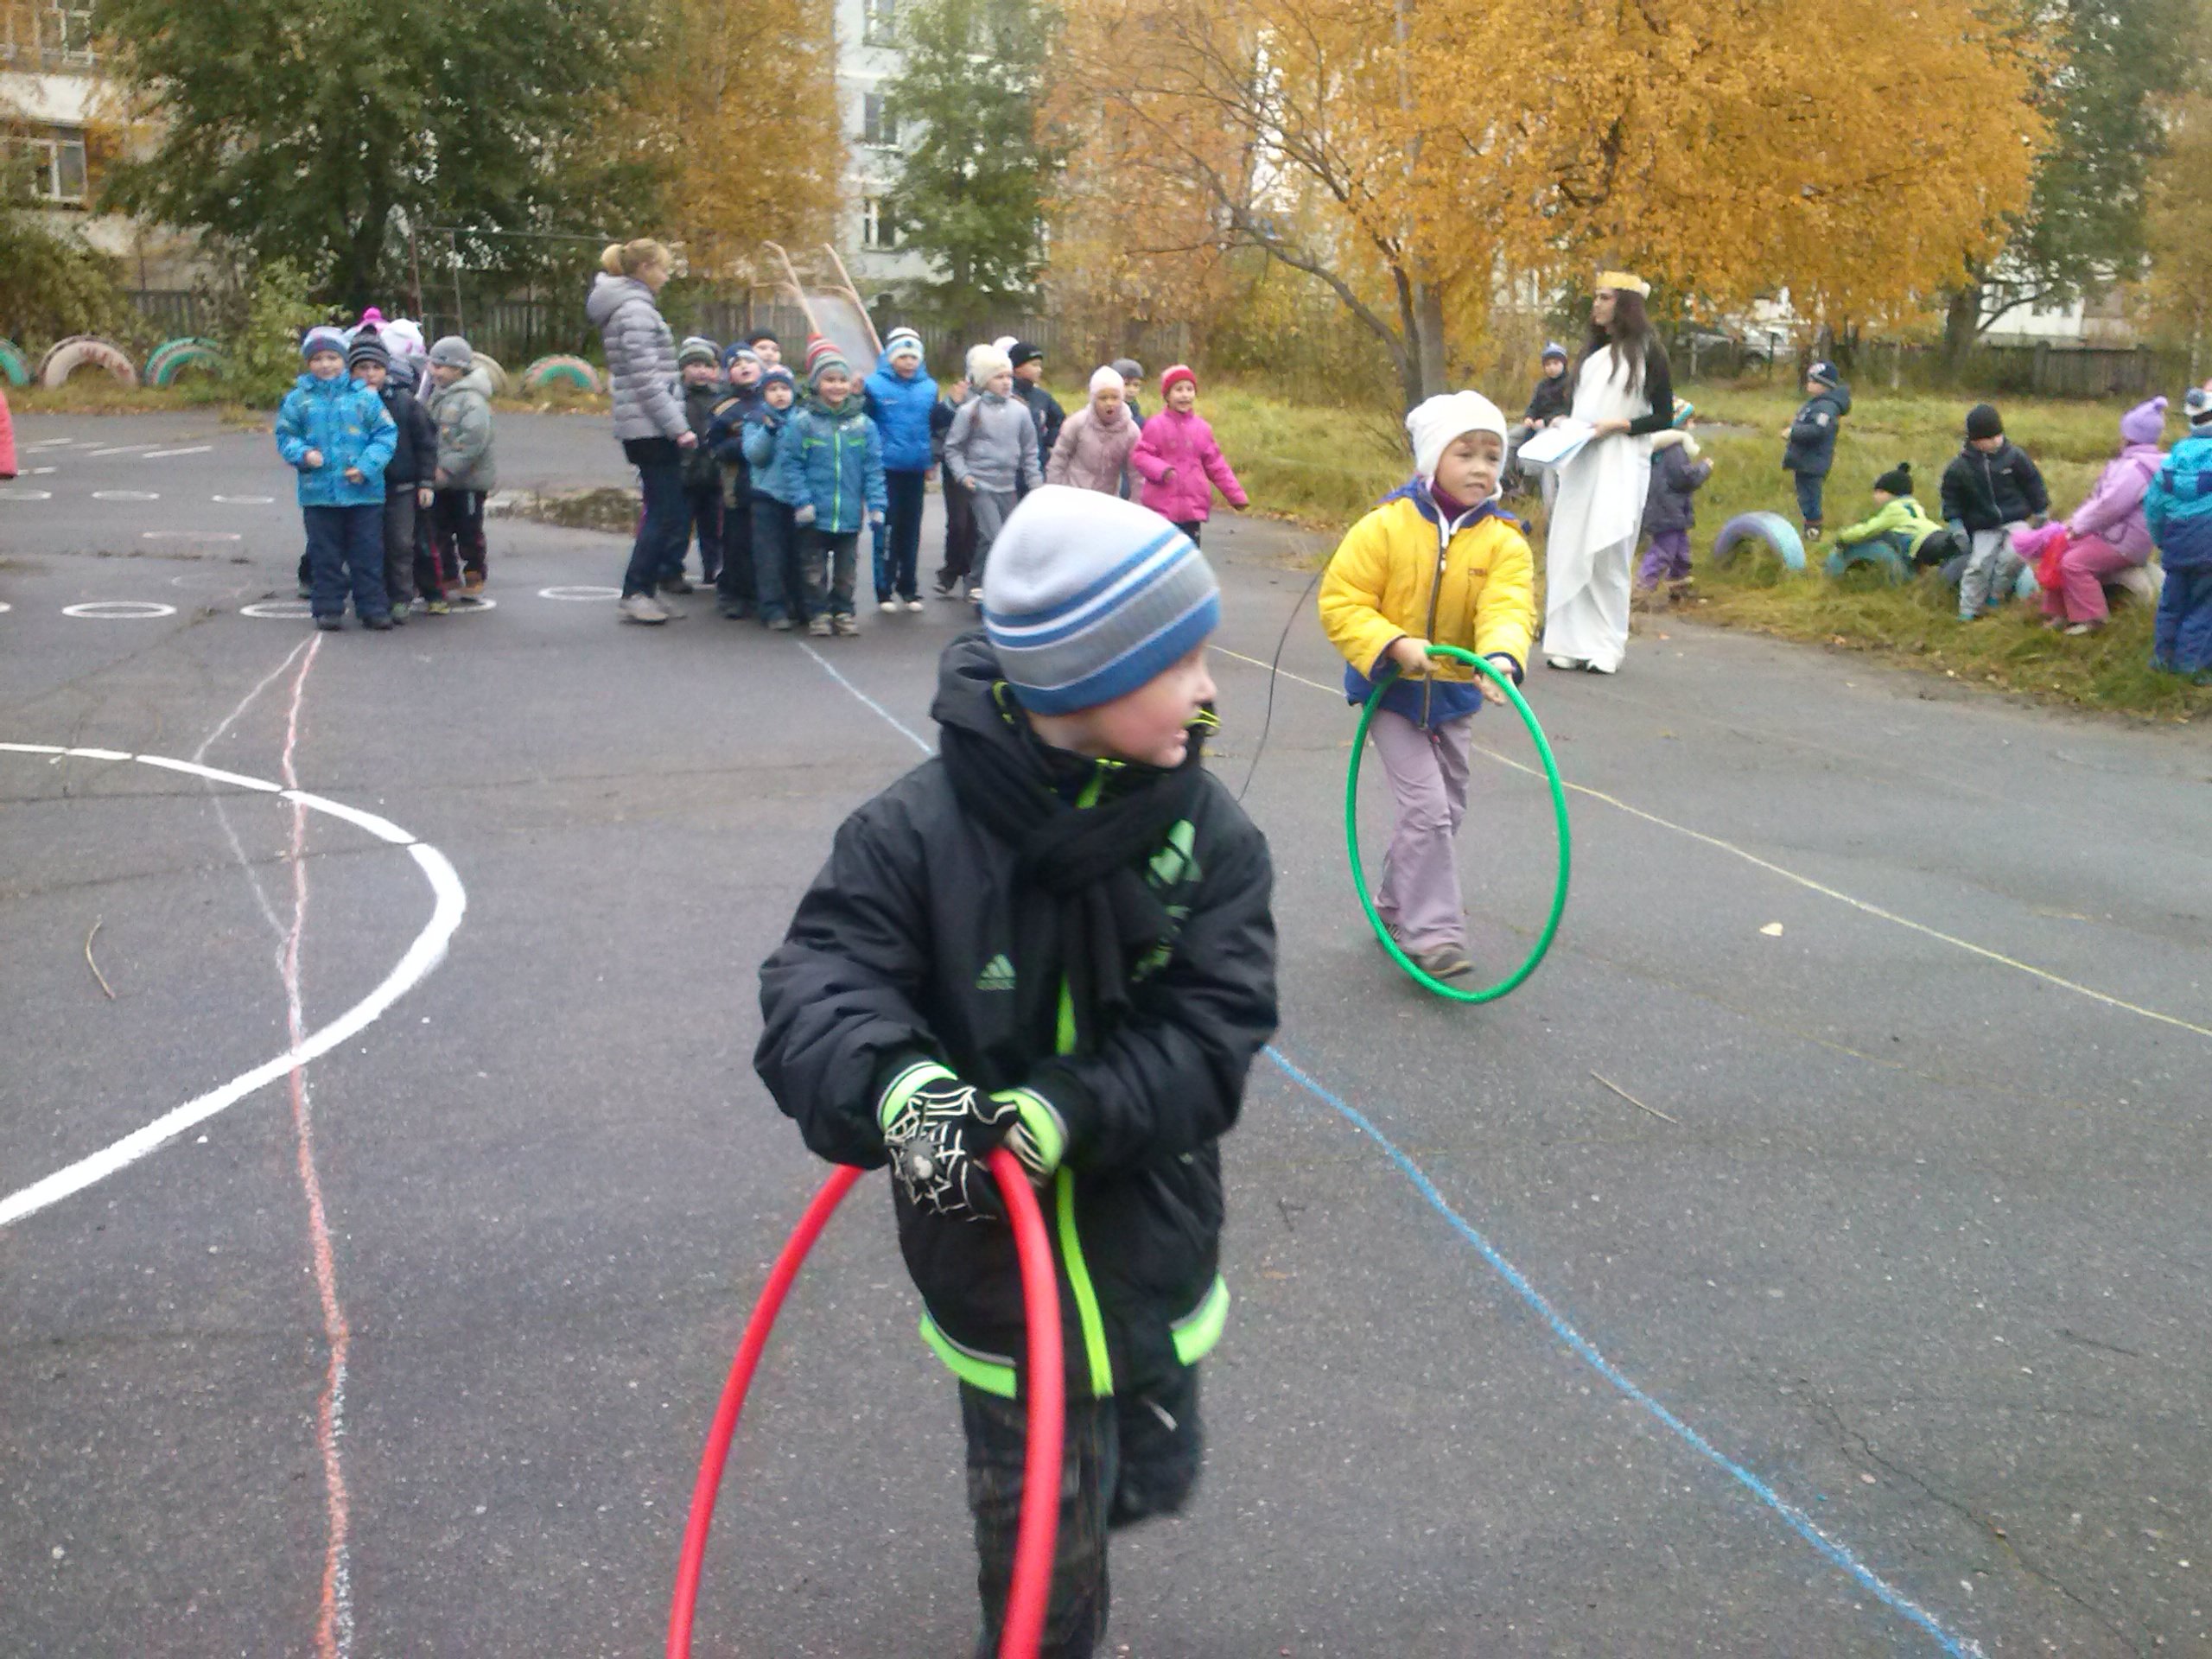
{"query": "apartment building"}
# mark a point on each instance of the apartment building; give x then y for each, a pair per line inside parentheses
(868, 58)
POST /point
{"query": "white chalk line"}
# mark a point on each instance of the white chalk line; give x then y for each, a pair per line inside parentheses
(1804, 881)
(424, 954)
(163, 454)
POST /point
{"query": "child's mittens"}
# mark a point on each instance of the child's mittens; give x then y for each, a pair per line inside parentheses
(803, 516)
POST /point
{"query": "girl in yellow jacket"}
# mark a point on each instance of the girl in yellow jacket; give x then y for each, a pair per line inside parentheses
(1436, 560)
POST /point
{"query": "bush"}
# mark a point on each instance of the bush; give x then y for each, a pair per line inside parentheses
(53, 285)
(262, 354)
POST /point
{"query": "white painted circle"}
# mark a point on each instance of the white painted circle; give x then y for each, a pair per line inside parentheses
(279, 610)
(126, 495)
(428, 949)
(243, 500)
(26, 495)
(462, 607)
(4, 606)
(580, 592)
(189, 535)
(119, 610)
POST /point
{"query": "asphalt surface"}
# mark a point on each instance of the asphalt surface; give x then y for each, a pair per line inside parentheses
(1875, 1323)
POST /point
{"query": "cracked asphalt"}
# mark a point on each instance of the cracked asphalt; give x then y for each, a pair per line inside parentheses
(1872, 1320)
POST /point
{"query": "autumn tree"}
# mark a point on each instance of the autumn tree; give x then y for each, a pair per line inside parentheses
(1726, 149)
(972, 181)
(746, 129)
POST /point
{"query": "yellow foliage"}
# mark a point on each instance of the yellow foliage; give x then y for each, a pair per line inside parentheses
(2177, 226)
(740, 104)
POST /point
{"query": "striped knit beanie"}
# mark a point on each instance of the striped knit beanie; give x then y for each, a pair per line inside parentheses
(821, 356)
(903, 342)
(1086, 597)
(321, 339)
(697, 348)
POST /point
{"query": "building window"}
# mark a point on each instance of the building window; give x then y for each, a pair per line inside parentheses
(879, 126)
(50, 170)
(47, 35)
(878, 22)
(879, 224)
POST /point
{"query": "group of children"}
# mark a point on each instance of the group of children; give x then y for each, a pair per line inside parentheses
(391, 487)
(784, 476)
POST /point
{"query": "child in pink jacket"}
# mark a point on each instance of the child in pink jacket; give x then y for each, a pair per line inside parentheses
(1181, 463)
(2106, 534)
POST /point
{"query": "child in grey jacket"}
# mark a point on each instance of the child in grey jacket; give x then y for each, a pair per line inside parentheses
(460, 407)
(991, 452)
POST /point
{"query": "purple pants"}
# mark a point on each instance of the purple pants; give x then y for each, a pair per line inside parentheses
(1666, 559)
(1419, 898)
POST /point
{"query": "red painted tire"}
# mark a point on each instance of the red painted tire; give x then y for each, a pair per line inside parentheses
(65, 357)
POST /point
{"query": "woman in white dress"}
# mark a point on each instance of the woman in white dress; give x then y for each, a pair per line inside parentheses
(1624, 389)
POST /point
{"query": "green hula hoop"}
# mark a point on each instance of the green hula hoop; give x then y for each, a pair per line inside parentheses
(1505, 683)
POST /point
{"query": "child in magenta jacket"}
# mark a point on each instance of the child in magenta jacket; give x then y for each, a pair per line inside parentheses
(1181, 463)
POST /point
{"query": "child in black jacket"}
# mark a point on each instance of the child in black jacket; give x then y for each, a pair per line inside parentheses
(1055, 937)
(737, 593)
(414, 458)
(1990, 486)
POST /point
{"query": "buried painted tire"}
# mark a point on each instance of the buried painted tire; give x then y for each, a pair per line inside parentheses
(561, 371)
(65, 357)
(1880, 555)
(14, 365)
(1768, 529)
(501, 380)
(176, 356)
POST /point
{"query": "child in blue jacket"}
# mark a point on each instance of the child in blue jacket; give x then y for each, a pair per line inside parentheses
(780, 589)
(337, 434)
(829, 466)
(2179, 509)
(1812, 441)
(901, 398)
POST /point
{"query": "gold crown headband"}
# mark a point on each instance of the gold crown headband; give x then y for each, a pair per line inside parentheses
(1622, 282)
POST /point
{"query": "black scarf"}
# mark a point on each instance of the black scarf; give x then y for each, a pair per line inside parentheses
(1083, 913)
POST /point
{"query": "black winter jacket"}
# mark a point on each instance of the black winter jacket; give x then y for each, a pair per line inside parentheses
(1811, 449)
(415, 452)
(902, 950)
(1049, 414)
(1550, 400)
(1989, 492)
(701, 468)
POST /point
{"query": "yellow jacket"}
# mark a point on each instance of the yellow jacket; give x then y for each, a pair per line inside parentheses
(1381, 585)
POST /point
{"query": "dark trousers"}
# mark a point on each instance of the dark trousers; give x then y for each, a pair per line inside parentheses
(1193, 528)
(345, 554)
(1122, 1460)
(738, 588)
(399, 546)
(959, 533)
(898, 538)
(830, 565)
(2182, 637)
(457, 530)
(665, 523)
(778, 585)
(702, 517)
(1808, 497)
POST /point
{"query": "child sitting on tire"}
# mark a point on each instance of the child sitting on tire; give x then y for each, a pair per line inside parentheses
(1898, 524)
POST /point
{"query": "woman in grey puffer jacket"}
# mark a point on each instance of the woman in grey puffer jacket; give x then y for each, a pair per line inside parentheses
(649, 417)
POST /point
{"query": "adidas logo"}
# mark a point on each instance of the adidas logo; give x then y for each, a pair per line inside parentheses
(997, 975)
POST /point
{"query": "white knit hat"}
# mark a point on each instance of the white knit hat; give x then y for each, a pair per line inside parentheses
(1435, 423)
(1107, 379)
(984, 361)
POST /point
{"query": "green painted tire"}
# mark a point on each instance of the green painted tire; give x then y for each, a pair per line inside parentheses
(178, 355)
(561, 370)
(14, 365)
(1426, 981)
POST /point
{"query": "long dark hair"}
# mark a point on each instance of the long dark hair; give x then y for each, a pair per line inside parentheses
(1628, 334)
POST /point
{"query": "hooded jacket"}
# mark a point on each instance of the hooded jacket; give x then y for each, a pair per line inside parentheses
(901, 409)
(1990, 492)
(1812, 433)
(832, 459)
(1676, 476)
(726, 437)
(463, 413)
(641, 372)
(1090, 454)
(1900, 516)
(764, 431)
(2178, 505)
(1401, 570)
(415, 447)
(993, 441)
(347, 423)
(902, 948)
(2113, 510)
(1183, 444)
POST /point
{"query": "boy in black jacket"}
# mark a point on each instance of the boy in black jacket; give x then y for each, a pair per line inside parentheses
(1055, 937)
(1810, 454)
(1990, 486)
(414, 458)
(699, 367)
(737, 593)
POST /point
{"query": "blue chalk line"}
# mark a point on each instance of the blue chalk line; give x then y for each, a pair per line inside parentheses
(1797, 1521)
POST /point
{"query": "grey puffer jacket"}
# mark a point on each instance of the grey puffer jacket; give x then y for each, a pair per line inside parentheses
(994, 442)
(641, 370)
(463, 414)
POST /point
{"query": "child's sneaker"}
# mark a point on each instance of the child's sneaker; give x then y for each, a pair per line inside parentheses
(915, 607)
(819, 627)
(1445, 961)
(779, 624)
(437, 607)
(845, 627)
(888, 607)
